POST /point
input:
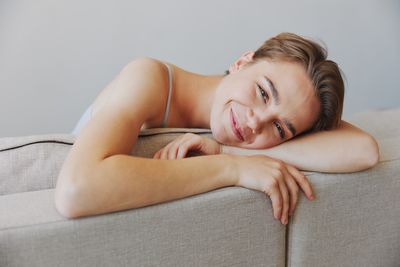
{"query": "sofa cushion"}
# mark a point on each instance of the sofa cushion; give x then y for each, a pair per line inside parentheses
(30, 163)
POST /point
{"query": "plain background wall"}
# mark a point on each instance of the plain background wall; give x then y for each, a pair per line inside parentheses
(56, 56)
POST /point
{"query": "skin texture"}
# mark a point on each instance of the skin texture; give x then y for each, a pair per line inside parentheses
(258, 117)
(99, 175)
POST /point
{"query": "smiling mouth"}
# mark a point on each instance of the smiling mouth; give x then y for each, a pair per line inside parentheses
(235, 128)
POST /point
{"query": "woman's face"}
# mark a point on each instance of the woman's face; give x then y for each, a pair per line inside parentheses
(263, 104)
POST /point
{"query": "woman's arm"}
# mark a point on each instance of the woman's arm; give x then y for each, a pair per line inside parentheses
(344, 149)
(99, 175)
(122, 182)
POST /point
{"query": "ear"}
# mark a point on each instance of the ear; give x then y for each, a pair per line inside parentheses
(243, 60)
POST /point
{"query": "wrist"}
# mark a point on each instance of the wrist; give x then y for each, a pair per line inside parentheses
(230, 166)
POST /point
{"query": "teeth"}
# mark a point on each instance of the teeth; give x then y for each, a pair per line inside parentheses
(237, 128)
(235, 125)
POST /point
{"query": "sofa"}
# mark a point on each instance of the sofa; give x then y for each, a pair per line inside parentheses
(354, 221)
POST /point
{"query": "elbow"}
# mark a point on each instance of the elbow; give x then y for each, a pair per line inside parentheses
(67, 199)
(370, 152)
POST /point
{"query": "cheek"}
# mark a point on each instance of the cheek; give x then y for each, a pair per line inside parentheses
(236, 90)
(216, 125)
(216, 131)
(264, 142)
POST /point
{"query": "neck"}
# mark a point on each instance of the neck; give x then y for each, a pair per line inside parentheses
(195, 96)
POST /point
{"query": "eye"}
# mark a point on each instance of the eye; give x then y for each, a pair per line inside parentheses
(280, 130)
(264, 95)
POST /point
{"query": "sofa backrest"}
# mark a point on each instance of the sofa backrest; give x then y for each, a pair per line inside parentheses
(30, 163)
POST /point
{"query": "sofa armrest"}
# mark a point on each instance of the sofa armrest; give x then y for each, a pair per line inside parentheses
(355, 218)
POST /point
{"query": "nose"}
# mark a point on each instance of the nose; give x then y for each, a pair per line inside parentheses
(255, 121)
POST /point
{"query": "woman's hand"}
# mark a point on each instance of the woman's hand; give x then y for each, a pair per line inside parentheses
(189, 142)
(280, 181)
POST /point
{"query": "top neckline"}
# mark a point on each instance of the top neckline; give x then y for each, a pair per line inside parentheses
(166, 111)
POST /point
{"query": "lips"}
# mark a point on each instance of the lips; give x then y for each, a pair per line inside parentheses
(235, 127)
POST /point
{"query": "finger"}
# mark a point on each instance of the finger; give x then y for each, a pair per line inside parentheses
(285, 200)
(183, 150)
(276, 198)
(176, 145)
(302, 181)
(189, 144)
(165, 151)
(173, 150)
(157, 155)
(294, 191)
(180, 148)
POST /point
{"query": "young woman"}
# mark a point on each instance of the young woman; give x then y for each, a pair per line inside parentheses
(277, 110)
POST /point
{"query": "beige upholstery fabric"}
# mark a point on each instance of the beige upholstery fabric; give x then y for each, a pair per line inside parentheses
(354, 221)
(231, 226)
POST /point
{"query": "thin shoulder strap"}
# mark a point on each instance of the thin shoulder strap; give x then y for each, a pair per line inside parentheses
(166, 112)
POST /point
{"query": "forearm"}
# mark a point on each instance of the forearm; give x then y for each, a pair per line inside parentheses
(123, 182)
(346, 149)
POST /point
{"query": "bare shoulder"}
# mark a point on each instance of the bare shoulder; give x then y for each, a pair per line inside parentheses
(136, 95)
(144, 79)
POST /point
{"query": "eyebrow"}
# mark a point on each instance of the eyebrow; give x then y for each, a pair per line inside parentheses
(275, 97)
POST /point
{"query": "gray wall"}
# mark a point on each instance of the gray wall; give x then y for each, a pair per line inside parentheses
(56, 56)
